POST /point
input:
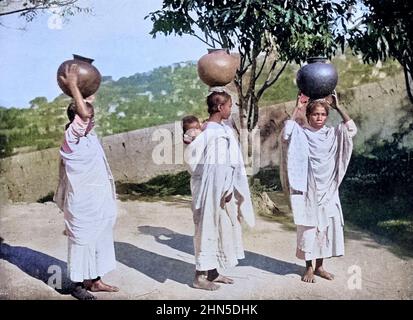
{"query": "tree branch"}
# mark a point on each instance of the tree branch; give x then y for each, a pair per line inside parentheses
(204, 41)
(253, 69)
(23, 10)
(268, 84)
(208, 33)
(243, 67)
(251, 86)
(262, 65)
(39, 7)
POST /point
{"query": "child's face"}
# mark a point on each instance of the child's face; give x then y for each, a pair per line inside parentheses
(194, 125)
(318, 117)
(225, 109)
(193, 132)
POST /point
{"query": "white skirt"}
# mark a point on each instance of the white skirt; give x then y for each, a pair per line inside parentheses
(313, 244)
(226, 249)
(92, 260)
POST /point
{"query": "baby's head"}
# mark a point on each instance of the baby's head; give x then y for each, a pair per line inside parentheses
(191, 128)
(190, 122)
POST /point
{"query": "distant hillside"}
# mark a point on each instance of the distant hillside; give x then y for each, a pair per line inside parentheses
(146, 99)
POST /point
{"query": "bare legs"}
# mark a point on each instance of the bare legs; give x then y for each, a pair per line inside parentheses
(97, 285)
(80, 292)
(207, 280)
(201, 281)
(214, 276)
(309, 274)
(321, 272)
(81, 289)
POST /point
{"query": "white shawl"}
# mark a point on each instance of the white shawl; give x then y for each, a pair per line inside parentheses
(316, 163)
(217, 169)
(86, 191)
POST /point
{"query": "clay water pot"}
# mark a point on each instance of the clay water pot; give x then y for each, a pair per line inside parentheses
(89, 77)
(217, 67)
(317, 79)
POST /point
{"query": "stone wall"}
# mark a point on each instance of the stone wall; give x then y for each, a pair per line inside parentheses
(379, 109)
(31, 176)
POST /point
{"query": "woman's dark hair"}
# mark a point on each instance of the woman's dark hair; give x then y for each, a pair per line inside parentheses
(318, 102)
(215, 99)
(70, 114)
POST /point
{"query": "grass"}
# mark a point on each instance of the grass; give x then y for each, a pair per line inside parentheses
(381, 206)
(164, 187)
(46, 198)
(386, 214)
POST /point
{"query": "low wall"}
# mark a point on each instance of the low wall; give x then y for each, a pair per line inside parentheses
(379, 109)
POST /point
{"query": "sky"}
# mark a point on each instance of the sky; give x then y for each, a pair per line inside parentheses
(115, 35)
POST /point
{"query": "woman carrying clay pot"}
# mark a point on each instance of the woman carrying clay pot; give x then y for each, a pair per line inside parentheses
(86, 195)
(317, 159)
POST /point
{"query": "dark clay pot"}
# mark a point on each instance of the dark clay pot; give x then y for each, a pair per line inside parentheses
(89, 77)
(217, 67)
(317, 79)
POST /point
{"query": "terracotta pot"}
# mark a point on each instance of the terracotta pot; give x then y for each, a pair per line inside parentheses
(217, 67)
(317, 79)
(89, 77)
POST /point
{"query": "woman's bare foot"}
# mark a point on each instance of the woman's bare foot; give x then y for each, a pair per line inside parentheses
(201, 282)
(223, 279)
(308, 275)
(81, 293)
(323, 274)
(99, 285)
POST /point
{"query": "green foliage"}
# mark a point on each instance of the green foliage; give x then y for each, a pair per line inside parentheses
(281, 31)
(377, 191)
(267, 179)
(160, 186)
(384, 30)
(162, 96)
(29, 9)
(299, 28)
(352, 72)
(46, 198)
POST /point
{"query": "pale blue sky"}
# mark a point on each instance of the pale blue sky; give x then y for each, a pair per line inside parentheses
(116, 36)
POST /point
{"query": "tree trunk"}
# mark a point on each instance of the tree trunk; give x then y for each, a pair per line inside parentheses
(408, 76)
(250, 140)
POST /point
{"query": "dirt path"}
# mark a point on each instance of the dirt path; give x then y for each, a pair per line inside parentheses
(154, 251)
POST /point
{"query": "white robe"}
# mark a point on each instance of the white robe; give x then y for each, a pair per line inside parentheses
(86, 195)
(316, 163)
(217, 170)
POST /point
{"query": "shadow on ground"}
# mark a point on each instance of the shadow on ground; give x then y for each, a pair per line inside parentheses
(38, 265)
(157, 267)
(184, 243)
